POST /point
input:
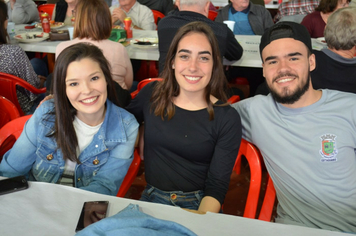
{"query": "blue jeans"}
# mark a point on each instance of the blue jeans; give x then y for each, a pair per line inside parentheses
(189, 200)
(40, 66)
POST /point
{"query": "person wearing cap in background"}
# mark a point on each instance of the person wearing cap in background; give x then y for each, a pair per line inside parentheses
(306, 136)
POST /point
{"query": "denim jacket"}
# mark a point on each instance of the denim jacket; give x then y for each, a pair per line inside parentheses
(104, 163)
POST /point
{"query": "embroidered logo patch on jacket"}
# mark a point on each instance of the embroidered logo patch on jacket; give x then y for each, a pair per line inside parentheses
(328, 148)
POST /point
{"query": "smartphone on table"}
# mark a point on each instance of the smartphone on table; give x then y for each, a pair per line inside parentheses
(13, 184)
(92, 212)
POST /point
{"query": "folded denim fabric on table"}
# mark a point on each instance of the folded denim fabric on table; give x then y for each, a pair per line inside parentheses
(131, 221)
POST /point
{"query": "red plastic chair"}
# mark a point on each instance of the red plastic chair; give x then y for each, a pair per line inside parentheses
(10, 132)
(212, 15)
(8, 111)
(255, 160)
(142, 84)
(8, 85)
(268, 201)
(233, 99)
(47, 7)
(131, 175)
(253, 157)
(157, 15)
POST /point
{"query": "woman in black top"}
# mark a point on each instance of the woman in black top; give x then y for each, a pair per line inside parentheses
(191, 134)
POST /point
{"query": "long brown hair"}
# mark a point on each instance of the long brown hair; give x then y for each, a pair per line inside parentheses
(165, 90)
(92, 20)
(64, 132)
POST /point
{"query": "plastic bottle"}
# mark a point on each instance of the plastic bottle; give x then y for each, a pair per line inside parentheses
(46, 27)
(128, 28)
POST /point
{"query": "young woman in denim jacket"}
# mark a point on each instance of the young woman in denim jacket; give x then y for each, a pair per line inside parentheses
(79, 138)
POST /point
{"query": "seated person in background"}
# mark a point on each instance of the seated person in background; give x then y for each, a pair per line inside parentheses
(195, 10)
(306, 136)
(250, 19)
(93, 25)
(163, 6)
(336, 65)
(64, 11)
(141, 16)
(22, 11)
(14, 61)
(80, 138)
(316, 21)
(191, 135)
(295, 10)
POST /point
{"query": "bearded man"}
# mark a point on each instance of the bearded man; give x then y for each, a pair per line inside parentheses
(307, 137)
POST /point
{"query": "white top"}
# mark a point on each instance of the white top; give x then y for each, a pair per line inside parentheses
(85, 134)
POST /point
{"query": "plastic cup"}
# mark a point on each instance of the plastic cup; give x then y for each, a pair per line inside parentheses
(11, 29)
(230, 24)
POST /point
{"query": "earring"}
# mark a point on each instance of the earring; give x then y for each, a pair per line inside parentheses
(173, 67)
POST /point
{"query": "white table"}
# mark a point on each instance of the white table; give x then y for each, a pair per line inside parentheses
(250, 44)
(271, 5)
(51, 209)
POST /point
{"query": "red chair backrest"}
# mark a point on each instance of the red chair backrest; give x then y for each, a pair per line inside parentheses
(131, 174)
(212, 15)
(233, 99)
(8, 85)
(157, 15)
(268, 201)
(142, 84)
(254, 160)
(8, 111)
(47, 7)
(10, 132)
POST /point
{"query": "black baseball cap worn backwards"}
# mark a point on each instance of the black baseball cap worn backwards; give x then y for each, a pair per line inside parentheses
(286, 29)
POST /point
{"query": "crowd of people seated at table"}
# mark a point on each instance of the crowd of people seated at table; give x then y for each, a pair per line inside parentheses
(97, 33)
(190, 136)
(316, 21)
(336, 65)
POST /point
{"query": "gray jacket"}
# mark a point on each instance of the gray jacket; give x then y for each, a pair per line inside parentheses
(259, 17)
(25, 11)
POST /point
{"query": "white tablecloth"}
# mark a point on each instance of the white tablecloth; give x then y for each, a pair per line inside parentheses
(51, 209)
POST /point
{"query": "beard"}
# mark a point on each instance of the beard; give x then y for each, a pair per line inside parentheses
(286, 97)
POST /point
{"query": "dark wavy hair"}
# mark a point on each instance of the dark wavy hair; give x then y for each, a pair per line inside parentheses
(165, 90)
(64, 132)
(3, 17)
(326, 6)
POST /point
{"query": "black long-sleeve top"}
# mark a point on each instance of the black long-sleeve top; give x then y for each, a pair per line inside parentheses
(188, 152)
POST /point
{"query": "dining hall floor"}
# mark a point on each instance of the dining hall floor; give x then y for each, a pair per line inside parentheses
(235, 198)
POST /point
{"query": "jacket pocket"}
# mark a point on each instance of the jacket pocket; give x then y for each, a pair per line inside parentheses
(47, 165)
(90, 167)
